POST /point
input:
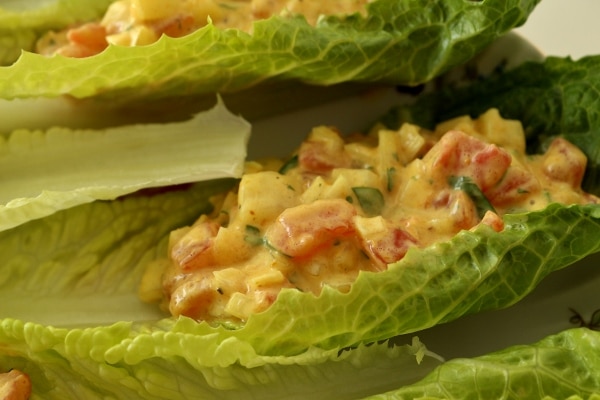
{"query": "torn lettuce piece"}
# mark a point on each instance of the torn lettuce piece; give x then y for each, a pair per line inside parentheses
(562, 366)
(430, 37)
(60, 168)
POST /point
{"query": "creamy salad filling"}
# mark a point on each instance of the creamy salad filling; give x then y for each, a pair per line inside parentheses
(342, 205)
(142, 22)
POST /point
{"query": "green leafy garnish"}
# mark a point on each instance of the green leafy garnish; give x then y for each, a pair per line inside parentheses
(253, 235)
(371, 199)
(466, 184)
(288, 165)
(390, 175)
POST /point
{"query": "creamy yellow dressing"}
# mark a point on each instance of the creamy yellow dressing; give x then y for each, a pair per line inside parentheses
(345, 205)
(142, 22)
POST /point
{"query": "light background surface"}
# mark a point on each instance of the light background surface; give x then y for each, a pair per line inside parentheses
(564, 27)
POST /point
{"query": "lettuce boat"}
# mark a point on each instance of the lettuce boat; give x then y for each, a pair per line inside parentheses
(72, 319)
(399, 42)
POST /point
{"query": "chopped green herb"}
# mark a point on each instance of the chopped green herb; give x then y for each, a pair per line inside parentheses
(371, 199)
(269, 246)
(467, 185)
(253, 236)
(289, 164)
(391, 172)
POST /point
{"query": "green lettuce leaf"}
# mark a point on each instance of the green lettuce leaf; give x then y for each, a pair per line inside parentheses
(70, 275)
(60, 168)
(400, 42)
(475, 271)
(66, 365)
(23, 21)
(561, 366)
(70, 312)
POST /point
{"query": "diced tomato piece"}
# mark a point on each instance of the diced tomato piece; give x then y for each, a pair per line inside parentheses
(91, 35)
(305, 229)
(458, 154)
(388, 245)
(15, 385)
(493, 220)
(322, 151)
(178, 26)
(194, 249)
(461, 211)
(85, 40)
(194, 297)
(516, 183)
(564, 162)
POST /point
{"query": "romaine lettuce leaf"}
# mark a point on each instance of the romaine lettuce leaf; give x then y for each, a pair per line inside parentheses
(561, 366)
(82, 266)
(62, 168)
(67, 365)
(400, 42)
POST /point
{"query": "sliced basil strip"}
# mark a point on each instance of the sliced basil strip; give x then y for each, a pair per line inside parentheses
(289, 164)
(371, 199)
(253, 236)
(466, 184)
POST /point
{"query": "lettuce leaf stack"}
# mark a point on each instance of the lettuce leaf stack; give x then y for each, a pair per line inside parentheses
(69, 308)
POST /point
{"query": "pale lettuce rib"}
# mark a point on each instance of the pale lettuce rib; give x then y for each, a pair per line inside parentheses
(43, 172)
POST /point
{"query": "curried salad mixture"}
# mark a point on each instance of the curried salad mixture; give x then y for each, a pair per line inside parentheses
(142, 22)
(342, 205)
